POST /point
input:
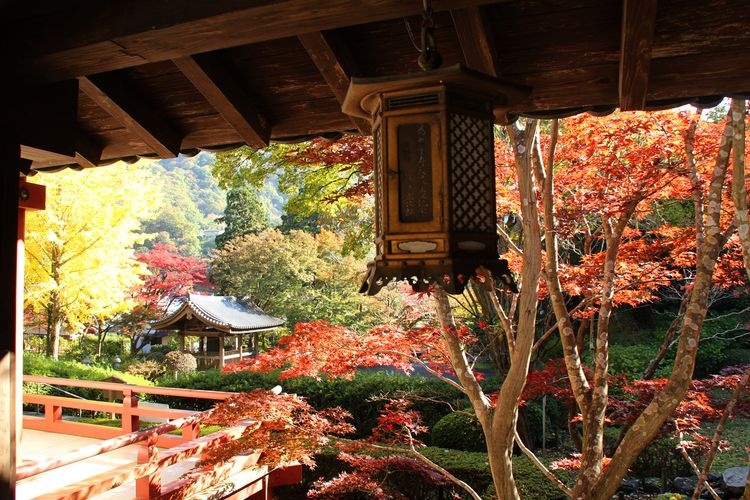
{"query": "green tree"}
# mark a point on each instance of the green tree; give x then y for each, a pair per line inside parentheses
(244, 214)
(326, 183)
(79, 251)
(300, 276)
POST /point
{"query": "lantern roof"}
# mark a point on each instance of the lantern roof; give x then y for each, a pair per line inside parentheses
(362, 97)
(223, 313)
(93, 82)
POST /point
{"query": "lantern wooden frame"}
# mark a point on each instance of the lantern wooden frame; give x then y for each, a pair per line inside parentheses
(434, 175)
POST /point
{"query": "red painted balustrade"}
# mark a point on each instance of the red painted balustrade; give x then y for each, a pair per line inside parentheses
(239, 477)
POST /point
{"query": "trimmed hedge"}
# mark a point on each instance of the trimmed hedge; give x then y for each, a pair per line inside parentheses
(471, 467)
(459, 431)
(39, 364)
(359, 395)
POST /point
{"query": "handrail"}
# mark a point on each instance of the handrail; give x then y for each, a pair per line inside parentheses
(33, 468)
(147, 470)
(141, 389)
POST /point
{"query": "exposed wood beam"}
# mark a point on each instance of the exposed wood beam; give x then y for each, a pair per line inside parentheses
(92, 36)
(228, 97)
(112, 94)
(475, 37)
(336, 65)
(636, 43)
(88, 153)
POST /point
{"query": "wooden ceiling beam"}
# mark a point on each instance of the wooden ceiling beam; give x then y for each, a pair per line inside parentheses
(92, 36)
(636, 45)
(475, 36)
(227, 95)
(111, 93)
(335, 64)
(88, 153)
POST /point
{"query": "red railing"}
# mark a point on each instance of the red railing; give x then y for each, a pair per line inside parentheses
(247, 478)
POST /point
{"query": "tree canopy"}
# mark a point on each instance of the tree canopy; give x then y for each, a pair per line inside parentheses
(81, 266)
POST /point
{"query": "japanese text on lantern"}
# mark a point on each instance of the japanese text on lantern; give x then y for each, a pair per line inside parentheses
(414, 172)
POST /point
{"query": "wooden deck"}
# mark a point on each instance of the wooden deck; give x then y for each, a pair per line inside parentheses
(39, 445)
(61, 458)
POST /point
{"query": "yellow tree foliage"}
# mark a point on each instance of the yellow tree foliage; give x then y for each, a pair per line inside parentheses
(80, 262)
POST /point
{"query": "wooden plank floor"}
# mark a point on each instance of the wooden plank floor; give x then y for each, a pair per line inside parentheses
(38, 445)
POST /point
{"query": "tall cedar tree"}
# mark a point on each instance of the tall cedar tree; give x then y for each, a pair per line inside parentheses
(244, 214)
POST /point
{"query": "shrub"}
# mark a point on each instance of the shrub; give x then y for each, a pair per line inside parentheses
(179, 363)
(631, 360)
(146, 368)
(459, 431)
(85, 345)
(661, 455)
(158, 352)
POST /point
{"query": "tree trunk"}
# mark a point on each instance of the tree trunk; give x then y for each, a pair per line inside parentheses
(647, 425)
(499, 422)
(53, 333)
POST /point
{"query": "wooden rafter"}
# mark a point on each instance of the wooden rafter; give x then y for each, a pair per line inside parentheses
(88, 153)
(111, 93)
(336, 65)
(228, 97)
(80, 44)
(475, 37)
(636, 43)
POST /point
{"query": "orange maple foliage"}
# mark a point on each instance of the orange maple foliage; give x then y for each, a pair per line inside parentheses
(603, 165)
(283, 427)
(321, 348)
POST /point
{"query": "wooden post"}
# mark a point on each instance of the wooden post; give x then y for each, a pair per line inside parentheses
(149, 486)
(221, 352)
(11, 291)
(130, 422)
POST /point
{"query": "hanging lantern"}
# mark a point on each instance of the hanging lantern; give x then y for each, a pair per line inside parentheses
(434, 175)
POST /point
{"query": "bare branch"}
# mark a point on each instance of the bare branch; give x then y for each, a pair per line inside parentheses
(719, 429)
(541, 467)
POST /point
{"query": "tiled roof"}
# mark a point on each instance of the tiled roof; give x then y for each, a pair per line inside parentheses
(225, 313)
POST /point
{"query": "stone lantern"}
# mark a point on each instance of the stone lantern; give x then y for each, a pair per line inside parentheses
(434, 175)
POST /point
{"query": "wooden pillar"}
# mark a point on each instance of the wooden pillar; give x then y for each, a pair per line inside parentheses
(221, 352)
(11, 312)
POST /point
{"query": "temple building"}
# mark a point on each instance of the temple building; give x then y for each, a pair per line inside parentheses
(217, 330)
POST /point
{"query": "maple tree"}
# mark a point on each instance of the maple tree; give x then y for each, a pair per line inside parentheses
(588, 190)
(168, 277)
(625, 160)
(445, 349)
(282, 428)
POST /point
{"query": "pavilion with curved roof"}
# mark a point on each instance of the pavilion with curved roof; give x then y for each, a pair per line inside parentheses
(226, 328)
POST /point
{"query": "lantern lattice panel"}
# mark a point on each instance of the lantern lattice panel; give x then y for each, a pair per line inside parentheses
(380, 180)
(471, 173)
